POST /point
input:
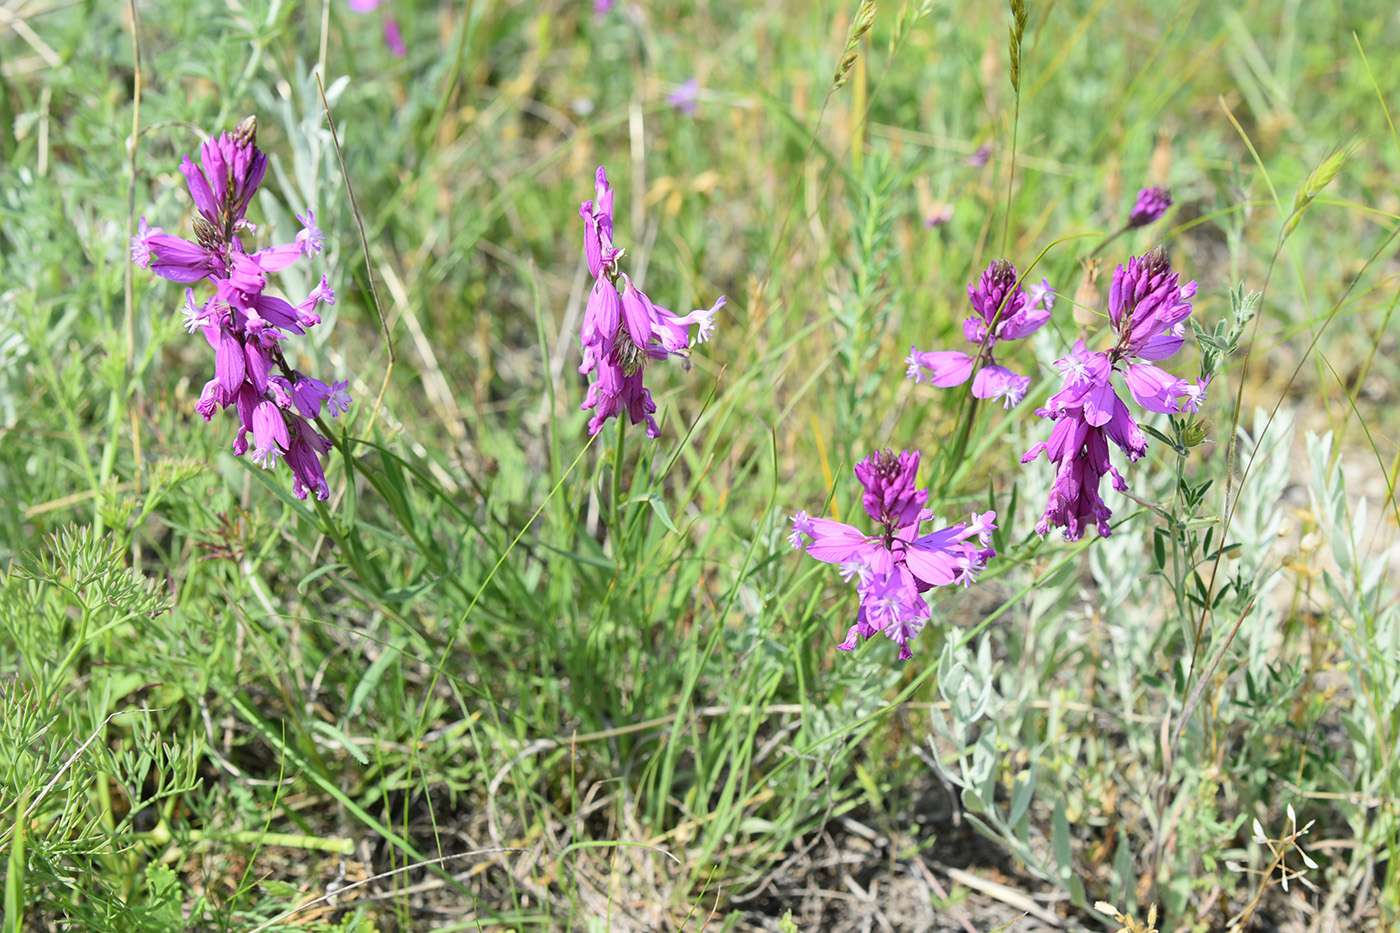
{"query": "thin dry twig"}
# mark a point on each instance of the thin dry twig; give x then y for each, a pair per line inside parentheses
(340, 891)
(1008, 896)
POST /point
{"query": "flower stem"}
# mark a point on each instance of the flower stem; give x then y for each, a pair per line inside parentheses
(161, 835)
(1109, 239)
(615, 501)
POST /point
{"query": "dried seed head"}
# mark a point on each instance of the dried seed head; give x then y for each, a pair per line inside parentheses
(246, 132)
(1086, 297)
(1159, 169)
(1113, 178)
(209, 236)
(629, 356)
(1157, 262)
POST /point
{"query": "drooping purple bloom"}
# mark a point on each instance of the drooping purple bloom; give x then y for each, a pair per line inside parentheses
(1151, 204)
(597, 217)
(1004, 311)
(620, 334)
(684, 97)
(1148, 308)
(896, 565)
(243, 325)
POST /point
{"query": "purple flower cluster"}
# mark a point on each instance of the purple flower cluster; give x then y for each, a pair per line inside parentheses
(894, 567)
(1147, 311)
(1005, 311)
(243, 324)
(1151, 204)
(621, 334)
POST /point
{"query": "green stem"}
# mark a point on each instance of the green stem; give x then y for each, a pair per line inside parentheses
(858, 95)
(615, 503)
(1109, 239)
(109, 457)
(161, 835)
(959, 444)
(1011, 177)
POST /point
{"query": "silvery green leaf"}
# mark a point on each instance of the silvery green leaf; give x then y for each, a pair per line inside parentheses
(1021, 796)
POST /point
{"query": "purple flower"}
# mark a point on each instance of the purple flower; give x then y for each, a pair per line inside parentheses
(890, 496)
(622, 333)
(1080, 454)
(683, 98)
(980, 157)
(393, 38)
(894, 567)
(231, 167)
(243, 325)
(1005, 311)
(1151, 204)
(602, 8)
(1148, 308)
(304, 457)
(598, 226)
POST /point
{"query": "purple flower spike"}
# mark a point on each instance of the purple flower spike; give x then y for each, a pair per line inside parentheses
(1151, 204)
(393, 38)
(1004, 311)
(1148, 308)
(890, 497)
(622, 333)
(895, 566)
(243, 325)
(231, 167)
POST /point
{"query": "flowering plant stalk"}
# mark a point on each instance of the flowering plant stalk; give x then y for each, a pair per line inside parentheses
(622, 333)
(1147, 308)
(894, 567)
(1004, 311)
(243, 324)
